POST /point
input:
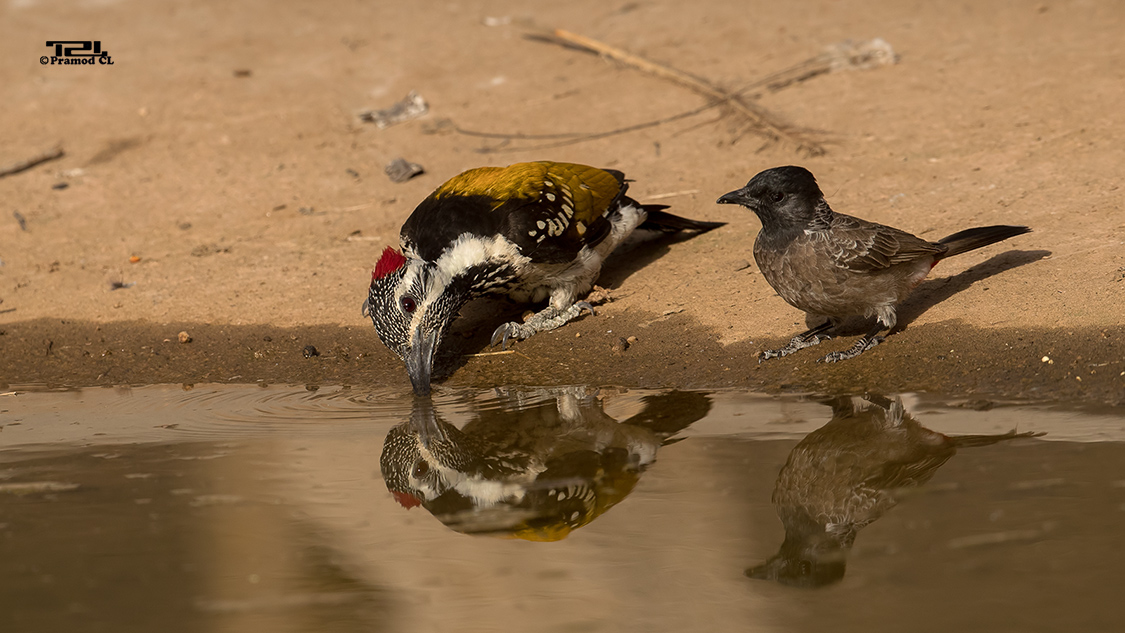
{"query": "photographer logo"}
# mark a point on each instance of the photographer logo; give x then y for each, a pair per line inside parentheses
(76, 53)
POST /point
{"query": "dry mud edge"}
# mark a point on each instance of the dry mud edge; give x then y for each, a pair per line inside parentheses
(946, 358)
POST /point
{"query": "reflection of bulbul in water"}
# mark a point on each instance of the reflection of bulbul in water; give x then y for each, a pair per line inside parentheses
(847, 474)
(534, 471)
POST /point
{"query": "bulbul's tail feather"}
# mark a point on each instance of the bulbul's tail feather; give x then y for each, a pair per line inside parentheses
(963, 441)
(969, 239)
(662, 221)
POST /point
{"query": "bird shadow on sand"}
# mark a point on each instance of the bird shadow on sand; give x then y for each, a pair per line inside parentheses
(640, 250)
(933, 291)
(471, 333)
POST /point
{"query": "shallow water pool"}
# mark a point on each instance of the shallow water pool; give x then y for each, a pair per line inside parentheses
(220, 508)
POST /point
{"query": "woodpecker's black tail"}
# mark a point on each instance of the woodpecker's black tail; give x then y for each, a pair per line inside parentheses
(669, 413)
(661, 221)
(969, 239)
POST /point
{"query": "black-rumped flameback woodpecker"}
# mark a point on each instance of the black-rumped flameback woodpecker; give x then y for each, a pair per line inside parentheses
(534, 231)
(535, 464)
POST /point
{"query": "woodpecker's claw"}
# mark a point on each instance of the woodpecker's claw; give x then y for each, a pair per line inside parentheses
(584, 305)
(501, 335)
(547, 319)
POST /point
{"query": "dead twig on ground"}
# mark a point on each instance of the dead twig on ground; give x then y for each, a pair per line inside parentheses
(23, 165)
(483, 354)
(672, 194)
(568, 138)
(846, 55)
(756, 116)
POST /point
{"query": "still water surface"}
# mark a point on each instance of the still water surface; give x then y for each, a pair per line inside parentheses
(283, 509)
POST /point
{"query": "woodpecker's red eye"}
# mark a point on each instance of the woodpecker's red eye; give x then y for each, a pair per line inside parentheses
(409, 304)
(778, 196)
(420, 469)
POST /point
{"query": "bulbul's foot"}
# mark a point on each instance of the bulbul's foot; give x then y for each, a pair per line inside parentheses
(861, 346)
(546, 319)
(801, 341)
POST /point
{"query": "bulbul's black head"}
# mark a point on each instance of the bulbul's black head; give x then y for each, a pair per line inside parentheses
(411, 302)
(797, 571)
(782, 197)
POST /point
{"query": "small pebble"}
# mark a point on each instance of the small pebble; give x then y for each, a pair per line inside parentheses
(577, 335)
(620, 344)
(631, 340)
(184, 337)
(310, 351)
(401, 170)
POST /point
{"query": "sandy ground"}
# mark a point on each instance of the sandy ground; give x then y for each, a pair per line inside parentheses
(223, 149)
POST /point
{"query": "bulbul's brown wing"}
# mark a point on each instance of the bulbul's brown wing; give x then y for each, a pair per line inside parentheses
(864, 246)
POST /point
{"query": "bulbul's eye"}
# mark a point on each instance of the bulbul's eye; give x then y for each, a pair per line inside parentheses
(408, 304)
(778, 196)
(420, 469)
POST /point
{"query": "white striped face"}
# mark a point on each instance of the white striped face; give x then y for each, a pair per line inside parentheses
(425, 296)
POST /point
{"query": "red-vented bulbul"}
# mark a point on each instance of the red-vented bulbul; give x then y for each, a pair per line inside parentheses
(833, 265)
(846, 475)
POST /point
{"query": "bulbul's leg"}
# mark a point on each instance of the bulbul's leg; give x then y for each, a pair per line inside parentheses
(546, 319)
(808, 338)
(869, 340)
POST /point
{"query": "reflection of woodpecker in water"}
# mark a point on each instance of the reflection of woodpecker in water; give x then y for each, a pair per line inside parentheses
(535, 471)
(847, 474)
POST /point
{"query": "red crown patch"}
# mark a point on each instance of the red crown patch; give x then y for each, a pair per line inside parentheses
(390, 261)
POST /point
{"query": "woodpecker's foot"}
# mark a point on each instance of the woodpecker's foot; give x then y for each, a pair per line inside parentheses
(546, 319)
(799, 342)
(861, 346)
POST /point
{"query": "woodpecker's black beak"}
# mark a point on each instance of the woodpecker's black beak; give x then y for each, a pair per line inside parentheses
(424, 422)
(420, 359)
(740, 196)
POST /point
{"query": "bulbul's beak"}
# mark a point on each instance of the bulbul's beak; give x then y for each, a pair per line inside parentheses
(420, 359)
(735, 197)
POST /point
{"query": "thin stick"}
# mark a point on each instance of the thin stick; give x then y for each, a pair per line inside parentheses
(572, 138)
(733, 100)
(507, 351)
(357, 207)
(776, 81)
(23, 165)
(672, 194)
(848, 54)
(640, 63)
